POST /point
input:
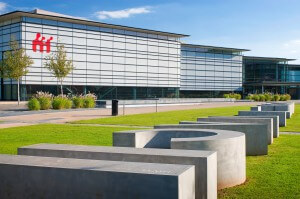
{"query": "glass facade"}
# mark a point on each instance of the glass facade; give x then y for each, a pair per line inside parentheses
(209, 69)
(273, 75)
(102, 57)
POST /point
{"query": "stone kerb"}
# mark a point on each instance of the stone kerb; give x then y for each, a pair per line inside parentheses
(256, 133)
(234, 119)
(281, 114)
(205, 162)
(48, 177)
(229, 145)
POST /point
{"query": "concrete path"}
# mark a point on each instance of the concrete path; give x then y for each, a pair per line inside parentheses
(290, 133)
(11, 117)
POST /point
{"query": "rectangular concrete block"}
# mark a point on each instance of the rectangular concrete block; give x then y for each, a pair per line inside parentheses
(275, 122)
(278, 107)
(267, 107)
(235, 119)
(255, 108)
(256, 133)
(30, 177)
(284, 108)
(205, 162)
(281, 114)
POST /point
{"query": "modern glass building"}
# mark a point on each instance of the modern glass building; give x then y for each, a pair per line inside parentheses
(109, 60)
(275, 75)
(210, 71)
(120, 62)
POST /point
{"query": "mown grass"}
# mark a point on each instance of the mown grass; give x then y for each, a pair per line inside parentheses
(276, 175)
(293, 124)
(169, 117)
(12, 138)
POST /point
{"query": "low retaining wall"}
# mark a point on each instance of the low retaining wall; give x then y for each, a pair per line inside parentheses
(205, 162)
(234, 119)
(256, 134)
(172, 101)
(44, 177)
(230, 147)
(281, 114)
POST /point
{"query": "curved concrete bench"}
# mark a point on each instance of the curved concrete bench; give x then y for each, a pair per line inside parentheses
(230, 147)
(256, 133)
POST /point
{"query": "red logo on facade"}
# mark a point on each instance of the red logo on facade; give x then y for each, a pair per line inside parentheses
(40, 42)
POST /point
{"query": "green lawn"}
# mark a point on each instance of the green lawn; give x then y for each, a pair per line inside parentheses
(276, 175)
(12, 138)
(293, 124)
(170, 117)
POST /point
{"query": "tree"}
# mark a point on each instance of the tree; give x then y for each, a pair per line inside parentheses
(59, 65)
(15, 63)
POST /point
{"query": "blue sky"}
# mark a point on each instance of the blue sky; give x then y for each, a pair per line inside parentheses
(266, 27)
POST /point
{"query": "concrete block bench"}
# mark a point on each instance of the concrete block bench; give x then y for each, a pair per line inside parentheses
(256, 133)
(234, 119)
(275, 122)
(205, 162)
(47, 177)
(230, 147)
(288, 108)
(255, 108)
(281, 114)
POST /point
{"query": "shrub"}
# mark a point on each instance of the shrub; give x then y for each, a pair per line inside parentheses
(78, 101)
(68, 103)
(61, 102)
(255, 97)
(283, 98)
(233, 95)
(249, 97)
(226, 96)
(45, 103)
(89, 102)
(34, 104)
(45, 99)
(262, 98)
(237, 96)
(288, 97)
(276, 97)
(268, 97)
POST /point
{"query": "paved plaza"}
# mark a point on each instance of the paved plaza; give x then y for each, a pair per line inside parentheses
(11, 115)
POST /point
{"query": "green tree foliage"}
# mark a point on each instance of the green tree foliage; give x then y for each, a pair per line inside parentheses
(15, 63)
(59, 65)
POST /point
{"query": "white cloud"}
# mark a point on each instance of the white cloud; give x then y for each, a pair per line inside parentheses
(3, 6)
(292, 46)
(117, 14)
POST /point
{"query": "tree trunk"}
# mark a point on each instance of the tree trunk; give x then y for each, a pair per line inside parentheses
(18, 92)
(61, 89)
